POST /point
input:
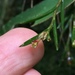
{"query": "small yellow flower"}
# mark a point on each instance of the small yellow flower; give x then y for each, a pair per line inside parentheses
(35, 43)
(43, 35)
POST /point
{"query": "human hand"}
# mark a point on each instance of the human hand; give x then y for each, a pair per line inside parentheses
(15, 60)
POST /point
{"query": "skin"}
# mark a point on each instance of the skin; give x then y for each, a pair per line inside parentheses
(15, 60)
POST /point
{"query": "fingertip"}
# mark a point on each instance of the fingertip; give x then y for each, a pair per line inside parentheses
(26, 57)
(14, 38)
(32, 72)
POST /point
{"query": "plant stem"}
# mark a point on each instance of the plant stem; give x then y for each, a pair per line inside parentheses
(53, 18)
(45, 34)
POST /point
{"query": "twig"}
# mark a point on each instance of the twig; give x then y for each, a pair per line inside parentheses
(31, 3)
(24, 2)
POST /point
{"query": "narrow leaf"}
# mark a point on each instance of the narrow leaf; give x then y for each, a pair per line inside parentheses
(62, 14)
(38, 11)
(43, 19)
(55, 35)
(30, 41)
(64, 5)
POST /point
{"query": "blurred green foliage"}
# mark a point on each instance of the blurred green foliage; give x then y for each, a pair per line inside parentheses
(38, 15)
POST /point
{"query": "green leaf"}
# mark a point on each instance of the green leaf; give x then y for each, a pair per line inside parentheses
(55, 35)
(42, 20)
(29, 41)
(64, 5)
(34, 38)
(62, 14)
(38, 11)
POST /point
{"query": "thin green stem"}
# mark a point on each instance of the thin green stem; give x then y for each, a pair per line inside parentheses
(53, 18)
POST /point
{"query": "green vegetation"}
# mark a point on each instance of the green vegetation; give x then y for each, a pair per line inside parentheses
(54, 21)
